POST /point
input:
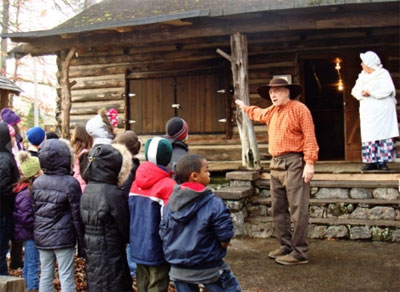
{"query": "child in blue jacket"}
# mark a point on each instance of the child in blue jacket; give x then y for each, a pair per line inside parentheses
(196, 229)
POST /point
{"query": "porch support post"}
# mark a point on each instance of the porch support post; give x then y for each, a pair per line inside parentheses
(239, 62)
(66, 94)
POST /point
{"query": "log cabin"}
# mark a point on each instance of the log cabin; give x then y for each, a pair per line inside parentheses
(7, 87)
(152, 60)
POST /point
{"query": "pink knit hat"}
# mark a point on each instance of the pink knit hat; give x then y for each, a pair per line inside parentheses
(112, 116)
(11, 131)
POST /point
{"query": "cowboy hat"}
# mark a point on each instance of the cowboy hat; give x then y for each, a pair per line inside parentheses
(294, 89)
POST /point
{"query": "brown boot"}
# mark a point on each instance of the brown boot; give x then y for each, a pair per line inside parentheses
(277, 253)
(289, 260)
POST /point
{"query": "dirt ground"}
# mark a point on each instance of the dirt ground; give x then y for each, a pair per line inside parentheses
(333, 266)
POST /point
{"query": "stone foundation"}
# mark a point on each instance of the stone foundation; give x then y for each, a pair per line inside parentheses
(353, 212)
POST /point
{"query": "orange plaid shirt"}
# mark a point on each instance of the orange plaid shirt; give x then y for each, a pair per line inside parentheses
(290, 129)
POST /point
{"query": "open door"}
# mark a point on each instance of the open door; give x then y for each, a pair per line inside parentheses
(324, 98)
(351, 69)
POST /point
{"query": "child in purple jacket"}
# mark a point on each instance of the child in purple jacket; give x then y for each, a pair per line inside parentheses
(23, 218)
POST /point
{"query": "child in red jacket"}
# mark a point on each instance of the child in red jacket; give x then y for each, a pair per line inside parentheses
(149, 193)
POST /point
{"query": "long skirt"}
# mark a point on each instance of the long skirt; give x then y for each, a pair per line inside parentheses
(379, 151)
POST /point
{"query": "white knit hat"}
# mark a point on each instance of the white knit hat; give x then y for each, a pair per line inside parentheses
(371, 59)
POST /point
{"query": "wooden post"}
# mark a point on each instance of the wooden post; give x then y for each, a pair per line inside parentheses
(239, 65)
(66, 94)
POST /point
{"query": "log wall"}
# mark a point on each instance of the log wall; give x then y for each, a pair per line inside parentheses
(100, 72)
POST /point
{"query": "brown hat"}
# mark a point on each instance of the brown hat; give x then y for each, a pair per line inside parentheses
(294, 89)
(130, 140)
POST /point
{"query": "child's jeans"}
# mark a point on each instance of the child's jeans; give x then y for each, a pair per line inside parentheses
(65, 260)
(131, 263)
(30, 271)
(227, 282)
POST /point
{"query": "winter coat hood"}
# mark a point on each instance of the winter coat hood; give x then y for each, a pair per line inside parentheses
(98, 129)
(109, 164)
(148, 174)
(5, 140)
(56, 157)
(187, 199)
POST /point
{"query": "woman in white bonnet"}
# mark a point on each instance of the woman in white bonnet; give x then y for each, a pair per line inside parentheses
(375, 90)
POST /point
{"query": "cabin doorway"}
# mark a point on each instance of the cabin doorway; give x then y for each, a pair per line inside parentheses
(323, 91)
(195, 98)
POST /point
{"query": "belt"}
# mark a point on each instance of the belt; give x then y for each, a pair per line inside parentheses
(289, 156)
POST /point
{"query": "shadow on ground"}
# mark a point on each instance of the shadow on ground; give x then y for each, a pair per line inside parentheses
(335, 266)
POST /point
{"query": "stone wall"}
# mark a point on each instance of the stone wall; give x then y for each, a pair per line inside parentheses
(371, 213)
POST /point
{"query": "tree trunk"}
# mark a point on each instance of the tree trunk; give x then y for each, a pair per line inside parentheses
(250, 154)
(66, 93)
(5, 18)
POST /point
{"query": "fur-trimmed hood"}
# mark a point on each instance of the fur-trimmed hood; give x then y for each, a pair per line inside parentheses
(108, 164)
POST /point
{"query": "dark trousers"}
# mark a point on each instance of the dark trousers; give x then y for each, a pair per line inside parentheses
(290, 200)
(6, 229)
(152, 278)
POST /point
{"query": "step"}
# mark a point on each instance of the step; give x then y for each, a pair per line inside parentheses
(234, 193)
(321, 202)
(332, 221)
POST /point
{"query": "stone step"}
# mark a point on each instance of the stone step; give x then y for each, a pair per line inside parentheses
(234, 193)
(331, 221)
(322, 202)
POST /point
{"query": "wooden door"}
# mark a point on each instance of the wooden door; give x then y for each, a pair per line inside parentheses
(200, 103)
(195, 98)
(150, 107)
(351, 69)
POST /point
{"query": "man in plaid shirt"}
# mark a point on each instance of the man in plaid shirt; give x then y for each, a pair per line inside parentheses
(294, 151)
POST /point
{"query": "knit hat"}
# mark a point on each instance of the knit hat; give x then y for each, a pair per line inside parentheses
(35, 135)
(130, 140)
(9, 117)
(177, 128)
(371, 59)
(28, 164)
(52, 135)
(112, 116)
(11, 131)
(158, 151)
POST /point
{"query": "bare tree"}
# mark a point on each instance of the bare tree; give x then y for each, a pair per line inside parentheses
(5, 18)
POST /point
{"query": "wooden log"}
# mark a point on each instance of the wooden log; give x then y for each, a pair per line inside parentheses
(250, 154)
(104, 81)
(66, 93)
(86, 108)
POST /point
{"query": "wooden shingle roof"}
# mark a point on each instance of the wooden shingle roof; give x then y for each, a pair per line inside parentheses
(122, 13)
(7, 84)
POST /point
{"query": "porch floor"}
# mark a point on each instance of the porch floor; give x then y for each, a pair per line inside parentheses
(320, 167)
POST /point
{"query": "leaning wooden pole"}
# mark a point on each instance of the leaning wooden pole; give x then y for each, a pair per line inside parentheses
(66, 94)
(239, 65)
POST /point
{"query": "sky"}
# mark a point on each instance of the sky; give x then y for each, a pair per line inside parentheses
(46, 15)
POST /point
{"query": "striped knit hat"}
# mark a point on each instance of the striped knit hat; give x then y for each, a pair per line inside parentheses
(177, 128)
(158, 151)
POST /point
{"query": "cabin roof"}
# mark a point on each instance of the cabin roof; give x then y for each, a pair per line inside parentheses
(110, 14)
(7, 84)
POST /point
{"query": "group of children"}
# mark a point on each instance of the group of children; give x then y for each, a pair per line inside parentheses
(95, 194)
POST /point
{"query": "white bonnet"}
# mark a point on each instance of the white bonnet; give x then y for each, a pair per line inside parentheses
(371, 59)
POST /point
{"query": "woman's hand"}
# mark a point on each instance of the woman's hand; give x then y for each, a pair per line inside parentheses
(365, 93)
